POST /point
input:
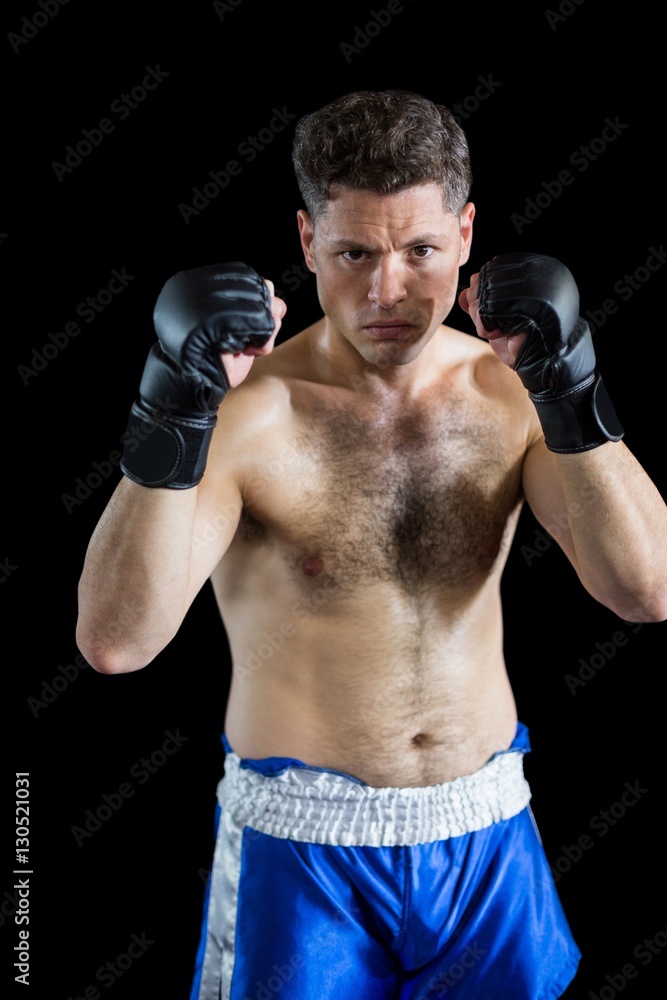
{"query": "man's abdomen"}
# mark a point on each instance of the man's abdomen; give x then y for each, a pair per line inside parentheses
(395, 693)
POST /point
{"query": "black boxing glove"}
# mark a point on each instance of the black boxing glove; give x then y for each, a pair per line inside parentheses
(199, 315)
(527, 292)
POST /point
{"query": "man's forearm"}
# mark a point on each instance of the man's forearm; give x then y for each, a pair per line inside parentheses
(134, 589)
(618, 522)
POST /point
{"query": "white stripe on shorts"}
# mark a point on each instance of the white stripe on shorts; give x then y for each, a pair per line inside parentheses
(321, 807)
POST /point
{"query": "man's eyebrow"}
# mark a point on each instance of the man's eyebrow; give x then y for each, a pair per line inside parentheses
(423, 239)
(426, 238)
(340, 243)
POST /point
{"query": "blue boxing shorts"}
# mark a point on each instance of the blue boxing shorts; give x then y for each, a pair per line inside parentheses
(326, 888)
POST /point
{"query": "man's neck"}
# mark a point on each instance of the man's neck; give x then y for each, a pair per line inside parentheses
(338, 362)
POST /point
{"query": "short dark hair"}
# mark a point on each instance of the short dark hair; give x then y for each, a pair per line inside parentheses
(381, 141)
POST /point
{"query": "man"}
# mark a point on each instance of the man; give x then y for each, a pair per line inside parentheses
(352, 496)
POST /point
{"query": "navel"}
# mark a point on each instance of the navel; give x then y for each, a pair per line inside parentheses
(420, 740)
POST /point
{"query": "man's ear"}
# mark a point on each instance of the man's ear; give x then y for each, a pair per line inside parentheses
(306, 235)
(467, 216)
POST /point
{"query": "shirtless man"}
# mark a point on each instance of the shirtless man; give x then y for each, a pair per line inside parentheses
(352, 495)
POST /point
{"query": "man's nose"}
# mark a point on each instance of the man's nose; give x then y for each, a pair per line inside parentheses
(388, 285)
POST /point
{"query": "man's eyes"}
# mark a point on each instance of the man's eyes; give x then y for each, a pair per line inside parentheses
(422, 251)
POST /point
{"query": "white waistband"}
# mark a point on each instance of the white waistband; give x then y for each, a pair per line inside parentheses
(322, 807)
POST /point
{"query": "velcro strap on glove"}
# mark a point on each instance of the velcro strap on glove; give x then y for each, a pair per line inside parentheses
(578, 419)
(166, 452)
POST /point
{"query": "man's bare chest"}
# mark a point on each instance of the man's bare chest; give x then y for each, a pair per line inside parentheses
(422, 498)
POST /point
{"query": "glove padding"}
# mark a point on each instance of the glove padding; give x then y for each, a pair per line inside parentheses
(199, 315)
(537, 295)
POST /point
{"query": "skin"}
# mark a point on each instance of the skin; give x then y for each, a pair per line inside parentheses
(362, 491)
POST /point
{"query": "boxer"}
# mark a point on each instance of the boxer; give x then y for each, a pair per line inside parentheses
(351, 496)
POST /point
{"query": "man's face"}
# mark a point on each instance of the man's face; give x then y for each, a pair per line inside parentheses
(387, 267)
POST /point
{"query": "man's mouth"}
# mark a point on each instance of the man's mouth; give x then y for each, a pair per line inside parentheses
(389, 329)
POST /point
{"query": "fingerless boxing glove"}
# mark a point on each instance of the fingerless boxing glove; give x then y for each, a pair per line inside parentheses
(535, 294)
(199, 315)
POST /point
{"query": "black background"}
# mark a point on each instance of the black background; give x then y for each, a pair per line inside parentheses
(546, 82)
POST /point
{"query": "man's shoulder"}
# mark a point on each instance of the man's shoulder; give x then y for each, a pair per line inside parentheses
(490, 379)
(264, 396)
(271, 374)
(467, 349)
(467, 343)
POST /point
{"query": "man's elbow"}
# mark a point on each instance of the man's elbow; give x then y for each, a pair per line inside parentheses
(109, 658)
(645, 607)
